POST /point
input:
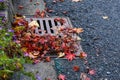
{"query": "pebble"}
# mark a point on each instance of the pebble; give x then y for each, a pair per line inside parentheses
(108, 72)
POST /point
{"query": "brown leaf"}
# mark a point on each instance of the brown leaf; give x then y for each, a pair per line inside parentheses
(48, 59)
(64, 12)
(20, 7)
(83, 55)
(76, 68)
(42, 14)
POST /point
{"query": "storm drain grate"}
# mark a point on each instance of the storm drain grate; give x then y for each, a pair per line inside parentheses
(48, 25)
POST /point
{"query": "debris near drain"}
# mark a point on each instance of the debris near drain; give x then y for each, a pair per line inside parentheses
(37, 45)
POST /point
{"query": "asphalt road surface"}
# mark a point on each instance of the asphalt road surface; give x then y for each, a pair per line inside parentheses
(100, 20)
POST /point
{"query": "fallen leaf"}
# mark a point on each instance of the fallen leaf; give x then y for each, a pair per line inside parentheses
(76, 68)
(76, 0)
(83, 55)
(105, 17)
(78, 38)
(61, 54)
(92, 72)
(79, 30)
(70, 56)
(62, 0)
(49, 10)
(61, 77)
(33, 23)
(30, 0)
(42, 14)
(32, 56)
(47, 59)
(64, 12)
(87, 78)
(37, 3)
(20, 7)
(54, 1)
(83, 76)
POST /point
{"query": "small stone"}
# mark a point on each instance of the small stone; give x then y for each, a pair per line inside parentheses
(105, 79)
(68, 72)
(108, 72)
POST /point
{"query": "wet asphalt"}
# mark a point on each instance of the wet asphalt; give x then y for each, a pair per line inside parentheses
(100, 20)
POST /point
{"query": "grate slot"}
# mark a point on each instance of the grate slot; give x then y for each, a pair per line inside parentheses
(50, 24)
(55, 23)
(42, 26)
(38, 30)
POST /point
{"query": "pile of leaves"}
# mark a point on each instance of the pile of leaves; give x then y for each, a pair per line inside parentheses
(36, 46)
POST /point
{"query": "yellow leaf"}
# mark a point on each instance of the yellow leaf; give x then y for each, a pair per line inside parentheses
(33, 23)
(105, 17)
(61, 54)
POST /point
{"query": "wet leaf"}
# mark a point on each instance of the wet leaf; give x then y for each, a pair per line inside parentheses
(30, 0)
(20, 7)
(78, 30)
(83, 76)
(70, 56)
(42, 14)
(83, 55)
(64, 12)
(61, 77)
(92, 72)
(76, 0)
(33, 23)
(61, 54)
(76, 68)
(47, 59)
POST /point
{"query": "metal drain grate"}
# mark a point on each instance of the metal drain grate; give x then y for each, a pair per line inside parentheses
(48, 25)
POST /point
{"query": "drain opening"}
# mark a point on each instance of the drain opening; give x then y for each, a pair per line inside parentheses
(50, 24)
(45, 27)
(39, 28)
(55, 23)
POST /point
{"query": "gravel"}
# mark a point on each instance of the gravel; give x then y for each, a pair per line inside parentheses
(100, 20)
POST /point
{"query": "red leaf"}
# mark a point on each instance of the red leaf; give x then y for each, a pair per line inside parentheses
(30, 0)
(76, 68)
(42, 14)
(61, 77)
(87, 78)
(70, 56)
(92, 72)
(20, 7)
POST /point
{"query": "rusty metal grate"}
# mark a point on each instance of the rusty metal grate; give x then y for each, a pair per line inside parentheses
(47, 25)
